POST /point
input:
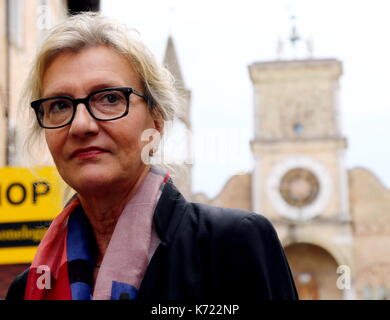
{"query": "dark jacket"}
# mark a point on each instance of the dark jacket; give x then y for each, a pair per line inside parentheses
(208, 253)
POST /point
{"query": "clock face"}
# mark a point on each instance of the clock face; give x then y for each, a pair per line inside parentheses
(299, 187)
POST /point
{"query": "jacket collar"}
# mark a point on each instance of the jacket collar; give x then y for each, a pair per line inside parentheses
(169, 211)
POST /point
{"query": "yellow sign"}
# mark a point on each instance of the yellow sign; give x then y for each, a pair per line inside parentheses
(29, 200)
(29, 194)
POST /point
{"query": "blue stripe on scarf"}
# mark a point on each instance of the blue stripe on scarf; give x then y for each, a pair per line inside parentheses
(80, 246)
(81, 291)
(123, 291)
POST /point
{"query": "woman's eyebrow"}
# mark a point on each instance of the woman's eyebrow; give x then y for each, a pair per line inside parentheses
(57, 91)
(66, 92)
(56, 94)
(104, 86)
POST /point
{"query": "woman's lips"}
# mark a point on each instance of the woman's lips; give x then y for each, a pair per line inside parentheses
(86, 153)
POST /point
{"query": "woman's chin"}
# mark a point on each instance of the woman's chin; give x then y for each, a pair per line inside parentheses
(100, 179)
(91, 182)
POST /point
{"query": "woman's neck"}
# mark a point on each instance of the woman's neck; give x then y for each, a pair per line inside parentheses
(103, 212)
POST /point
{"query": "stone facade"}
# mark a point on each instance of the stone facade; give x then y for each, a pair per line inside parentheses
(299, 180)
(370, 210)
(290, 93)
(236, 193)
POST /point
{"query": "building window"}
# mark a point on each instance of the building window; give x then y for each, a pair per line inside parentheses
(15, 22)
(75, 6)
(298, 128)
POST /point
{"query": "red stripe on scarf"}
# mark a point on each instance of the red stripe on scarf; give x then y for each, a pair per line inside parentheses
(166, 178)
(59, 289)
(52, 253)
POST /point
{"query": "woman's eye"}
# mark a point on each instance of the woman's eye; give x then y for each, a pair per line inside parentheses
(110, 98)
(59, 105)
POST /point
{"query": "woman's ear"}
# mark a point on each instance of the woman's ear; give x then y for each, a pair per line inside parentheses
(159, 125)
(158, 121)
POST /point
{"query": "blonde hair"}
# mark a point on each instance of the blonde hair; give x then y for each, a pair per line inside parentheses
(92, 29)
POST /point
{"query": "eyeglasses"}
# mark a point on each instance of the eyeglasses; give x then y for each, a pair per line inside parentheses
(105, 105)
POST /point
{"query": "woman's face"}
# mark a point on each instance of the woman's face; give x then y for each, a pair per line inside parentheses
(90, 154)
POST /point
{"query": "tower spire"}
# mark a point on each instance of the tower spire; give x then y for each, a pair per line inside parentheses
(294, 36)
(293, 43)
(172, 62)
(171, 14)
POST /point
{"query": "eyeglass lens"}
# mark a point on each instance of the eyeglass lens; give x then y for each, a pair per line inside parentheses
(103, 106)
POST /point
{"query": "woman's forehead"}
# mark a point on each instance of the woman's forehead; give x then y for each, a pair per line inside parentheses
(89, 69)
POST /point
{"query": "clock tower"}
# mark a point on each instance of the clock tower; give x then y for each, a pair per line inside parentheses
(298, 146)
(300, 180)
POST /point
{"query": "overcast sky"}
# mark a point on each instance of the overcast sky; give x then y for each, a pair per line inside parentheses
(216, 40)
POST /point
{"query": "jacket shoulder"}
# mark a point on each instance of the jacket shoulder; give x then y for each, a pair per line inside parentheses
(226, 218)
(246, 251)
(233, 227)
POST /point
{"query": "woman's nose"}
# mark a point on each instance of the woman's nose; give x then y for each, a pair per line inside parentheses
(83, 123)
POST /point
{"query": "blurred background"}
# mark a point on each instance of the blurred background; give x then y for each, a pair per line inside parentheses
(285, 112)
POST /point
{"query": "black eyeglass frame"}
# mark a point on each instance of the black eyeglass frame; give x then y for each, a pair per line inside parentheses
(85, 101)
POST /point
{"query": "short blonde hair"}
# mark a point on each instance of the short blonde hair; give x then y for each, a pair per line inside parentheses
(92, 29)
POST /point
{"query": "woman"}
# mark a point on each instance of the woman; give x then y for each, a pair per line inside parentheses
(128, 233)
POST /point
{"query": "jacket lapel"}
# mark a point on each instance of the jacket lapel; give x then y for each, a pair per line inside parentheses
(170, 210)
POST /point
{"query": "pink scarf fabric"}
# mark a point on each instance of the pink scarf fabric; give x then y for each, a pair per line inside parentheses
(134, 240)
(128, 254)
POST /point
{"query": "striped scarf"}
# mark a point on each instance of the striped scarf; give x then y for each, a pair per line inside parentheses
(63, 266)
